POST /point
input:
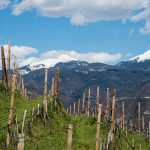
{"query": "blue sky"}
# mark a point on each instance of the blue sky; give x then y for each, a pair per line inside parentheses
(43, 32)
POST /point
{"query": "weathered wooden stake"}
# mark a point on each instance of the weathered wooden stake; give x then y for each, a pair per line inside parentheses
(140, 147)
(23, 122)
(79, 107)
(133, 146)
(25, 93)
(57, 86)
(131, 125)
(126, 131)
(4, 72)
(107, 103)
(53, 88)
(139, 117)
(70, 110)
(89, 102)
(16, 124)
(8, 64)
(83, 104)
(74, 108)
(113, 113)
(45, 95)
(22, 87)
(14, 65)
(10, 118)
(21, 136)
(123, 116)
(20, 82)
(70, 132)
(143, 123)
(98, 128)
(97, 98)
(38, 112)
(21, 139)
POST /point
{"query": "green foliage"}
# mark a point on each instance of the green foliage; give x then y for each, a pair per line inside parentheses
(53, 134)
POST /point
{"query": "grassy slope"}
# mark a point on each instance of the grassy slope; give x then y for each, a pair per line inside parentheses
(53, 135)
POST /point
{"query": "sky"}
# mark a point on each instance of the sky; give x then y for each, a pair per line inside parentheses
(62, 30)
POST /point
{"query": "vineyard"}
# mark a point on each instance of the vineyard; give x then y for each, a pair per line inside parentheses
(44, 123)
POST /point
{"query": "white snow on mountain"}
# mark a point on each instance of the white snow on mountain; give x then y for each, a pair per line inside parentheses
(141, 58)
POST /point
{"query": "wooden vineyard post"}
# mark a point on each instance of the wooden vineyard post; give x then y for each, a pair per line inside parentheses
(57, 85)
(25, 93)
(133, 146)
(8, 65)
(70, 132)
(17, 76)
(98, 127)
(21, 136)
(20, 81)
(89, 103)
(97, 98)
(10, 118)
(16, 124)
(143, 123)
(22, 87)
(70, 110)
(131, 125)
(79, 107)
(139, 117)
(113, 113)
(45, 95)
(74, 108)
(123, 116)
(107, 103)
(38, 112)
(4, 72)
(53, 88)
(114, 93)
(23, 122)
(83, 104)
(14, 65)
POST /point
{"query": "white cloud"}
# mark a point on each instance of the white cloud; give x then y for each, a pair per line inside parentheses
(81, 12)
(27, 55)
(52, 57)
(143, 15)
(21, 53)
(4, 3)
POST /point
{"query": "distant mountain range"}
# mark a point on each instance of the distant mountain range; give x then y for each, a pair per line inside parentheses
(130, 78)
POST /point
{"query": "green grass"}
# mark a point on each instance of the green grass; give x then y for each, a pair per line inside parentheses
(53, 135)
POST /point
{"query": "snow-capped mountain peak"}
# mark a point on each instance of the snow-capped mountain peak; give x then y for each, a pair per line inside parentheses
(141, 58)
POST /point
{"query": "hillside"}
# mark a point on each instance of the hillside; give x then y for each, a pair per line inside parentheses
(75, 79)
(53, 134)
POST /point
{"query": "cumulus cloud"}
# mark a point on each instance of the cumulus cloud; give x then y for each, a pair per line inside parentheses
(54, 57)
(145, 16)
(4, 4)
(21, 53)
(27, 55)
(81, 12)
